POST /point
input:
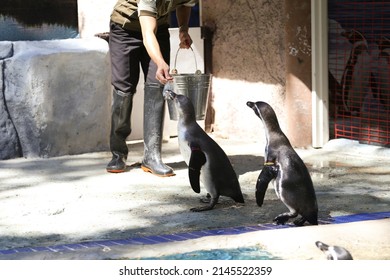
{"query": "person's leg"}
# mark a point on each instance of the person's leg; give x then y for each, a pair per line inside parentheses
(154, 107)
(120, 128)
(125, 50)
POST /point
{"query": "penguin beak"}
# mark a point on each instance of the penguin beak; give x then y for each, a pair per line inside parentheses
(250, 104)
(169, 94)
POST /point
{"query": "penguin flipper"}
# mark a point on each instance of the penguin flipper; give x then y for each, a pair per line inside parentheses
(197, 159)
(267, 174)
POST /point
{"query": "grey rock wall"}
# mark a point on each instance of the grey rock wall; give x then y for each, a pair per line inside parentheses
(9, 141)
(57, 96)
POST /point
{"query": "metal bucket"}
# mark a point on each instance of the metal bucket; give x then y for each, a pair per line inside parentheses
(195, 86)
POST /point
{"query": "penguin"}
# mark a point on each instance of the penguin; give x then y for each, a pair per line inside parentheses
(334, 252)
(206, 161)
(283, 166)
(356, 78)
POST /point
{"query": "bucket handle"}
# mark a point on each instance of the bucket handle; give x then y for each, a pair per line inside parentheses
(174, 70)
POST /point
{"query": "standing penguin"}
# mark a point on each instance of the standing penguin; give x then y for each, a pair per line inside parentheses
(334, 252)
(206, 160)
(356, 79)
(293, 184)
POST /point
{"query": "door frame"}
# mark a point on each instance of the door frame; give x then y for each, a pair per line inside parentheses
(320, 88)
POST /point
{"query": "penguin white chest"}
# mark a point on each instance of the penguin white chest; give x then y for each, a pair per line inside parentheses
(184, 145)
(207, 180)
(185, 151)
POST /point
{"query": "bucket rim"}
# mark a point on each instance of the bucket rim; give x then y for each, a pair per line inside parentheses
(189, 74)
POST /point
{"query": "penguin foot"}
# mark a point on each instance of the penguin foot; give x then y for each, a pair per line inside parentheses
(281, 220)
(200, 209)
(299, 222)
(211, 203)
(284, 217)
(206, 199)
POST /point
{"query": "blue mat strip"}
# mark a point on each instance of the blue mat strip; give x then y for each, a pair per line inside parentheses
(148, 240)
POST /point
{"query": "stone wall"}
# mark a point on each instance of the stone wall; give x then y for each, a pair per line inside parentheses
(248, 63)
(55, 97)
(9, 140)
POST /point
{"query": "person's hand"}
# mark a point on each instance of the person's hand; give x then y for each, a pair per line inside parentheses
(185, 39)
(162, 73)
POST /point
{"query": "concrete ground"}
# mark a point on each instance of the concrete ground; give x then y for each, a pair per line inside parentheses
(72, 199)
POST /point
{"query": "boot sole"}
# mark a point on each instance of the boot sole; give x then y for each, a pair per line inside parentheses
(147, 169)
(115, 171)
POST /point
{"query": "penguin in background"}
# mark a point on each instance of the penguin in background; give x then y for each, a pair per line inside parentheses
(334, 252)
(383, 72)
(334, 90)
(206, 161)
(284, 167)
(336, 42)
(356, 78)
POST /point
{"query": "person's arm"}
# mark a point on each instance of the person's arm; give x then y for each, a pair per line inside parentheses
(183, 14)
(148, 28)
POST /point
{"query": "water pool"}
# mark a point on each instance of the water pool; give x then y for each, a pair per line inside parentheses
(244, 253)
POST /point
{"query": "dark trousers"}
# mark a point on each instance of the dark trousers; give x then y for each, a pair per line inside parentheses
(128, 56)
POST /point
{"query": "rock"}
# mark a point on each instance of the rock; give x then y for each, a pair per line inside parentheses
(6, 49)
(58, 96)
(9, 141)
